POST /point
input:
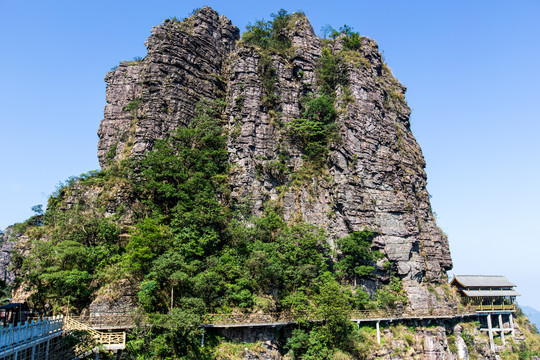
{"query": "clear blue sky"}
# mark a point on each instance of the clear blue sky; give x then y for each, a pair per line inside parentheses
(471, 68)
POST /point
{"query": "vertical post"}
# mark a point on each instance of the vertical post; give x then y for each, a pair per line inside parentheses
(490, 332)
(512, 326)
(24, 332)
(47, 349)
(202, 339)
(9, 335)
(378, 333)
(32, 357)
(502, 329)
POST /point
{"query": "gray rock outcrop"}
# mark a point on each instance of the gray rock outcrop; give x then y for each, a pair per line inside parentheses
(149, 98)
(8, 242)
(462, 351)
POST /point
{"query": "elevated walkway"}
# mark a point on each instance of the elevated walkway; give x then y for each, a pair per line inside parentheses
(98, 324)
(32, 337)
(112, 322)
(286, 318)
(40, 339)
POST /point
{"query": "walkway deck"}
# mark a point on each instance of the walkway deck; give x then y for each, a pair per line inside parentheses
(280, 319)
(21, 337)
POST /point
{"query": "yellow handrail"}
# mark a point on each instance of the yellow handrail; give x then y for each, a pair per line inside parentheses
(102, 338)
(495, 307)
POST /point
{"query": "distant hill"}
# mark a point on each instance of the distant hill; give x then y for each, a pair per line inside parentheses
(532, 314)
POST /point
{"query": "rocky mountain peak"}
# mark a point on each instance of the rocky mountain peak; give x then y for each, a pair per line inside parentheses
(371, 174)
(148, 98)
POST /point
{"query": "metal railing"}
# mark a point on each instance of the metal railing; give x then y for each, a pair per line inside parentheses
(410, 314)
(16, 336)
(355, 315)
(257, 318)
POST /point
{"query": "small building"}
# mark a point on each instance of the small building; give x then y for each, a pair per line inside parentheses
(486, 292)
(14, 313)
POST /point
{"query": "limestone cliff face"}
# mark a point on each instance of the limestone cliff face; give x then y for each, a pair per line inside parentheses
(148, 98)
(374, 175)
(6, 245)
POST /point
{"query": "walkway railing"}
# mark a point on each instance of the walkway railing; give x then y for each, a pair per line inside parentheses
(107, 321)
(108, 339)
(356, 315)
(13, 337)
(261, 319)
(266, 318)
(411, 314)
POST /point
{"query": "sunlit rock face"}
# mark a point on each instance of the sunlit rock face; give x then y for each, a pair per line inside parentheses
(149, 98)
(373, 177)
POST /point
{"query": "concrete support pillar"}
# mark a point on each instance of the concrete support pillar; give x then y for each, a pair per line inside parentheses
(512, 325)
(501, 326)
(378, 333)
(490, 332)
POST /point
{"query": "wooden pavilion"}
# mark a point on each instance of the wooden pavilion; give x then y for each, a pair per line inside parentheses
(486, 292)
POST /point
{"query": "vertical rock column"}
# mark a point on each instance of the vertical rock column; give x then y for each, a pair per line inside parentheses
(149, 98)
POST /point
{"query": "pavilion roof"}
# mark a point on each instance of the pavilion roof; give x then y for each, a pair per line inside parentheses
(494, 281)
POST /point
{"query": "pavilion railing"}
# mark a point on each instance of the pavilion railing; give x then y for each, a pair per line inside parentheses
(495, 307)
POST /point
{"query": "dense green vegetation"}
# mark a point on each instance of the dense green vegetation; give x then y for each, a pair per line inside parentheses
(188, 250)
(270, 35)
(316, 129)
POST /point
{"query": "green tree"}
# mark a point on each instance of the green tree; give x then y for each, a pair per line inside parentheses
(269, 35)
(356, 258)
(316, 129)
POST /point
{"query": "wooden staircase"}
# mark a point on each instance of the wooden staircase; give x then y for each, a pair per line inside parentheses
(106, 340)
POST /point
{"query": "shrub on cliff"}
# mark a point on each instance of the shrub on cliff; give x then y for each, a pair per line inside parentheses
(269, 35)
(316, 129)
